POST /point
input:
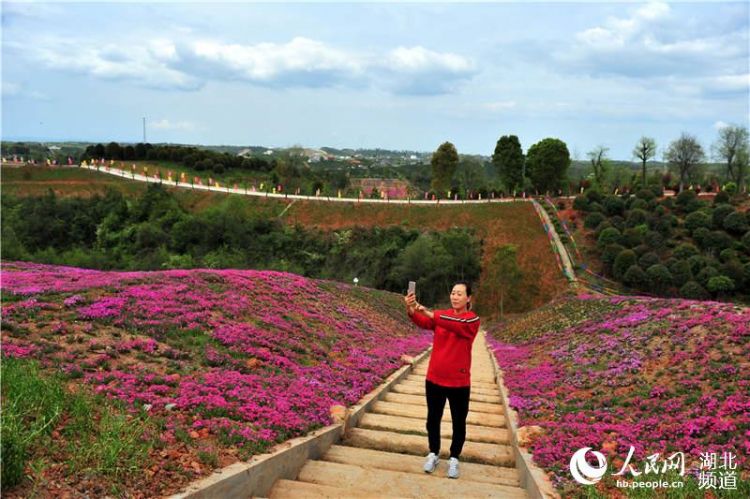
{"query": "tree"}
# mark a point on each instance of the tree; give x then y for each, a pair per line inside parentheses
(509, 161)
(598, 158)
(470, 174)
(732, 147)
(644, 150)
(504, 275)
(444, 163)
(547, 164)
(684, 154)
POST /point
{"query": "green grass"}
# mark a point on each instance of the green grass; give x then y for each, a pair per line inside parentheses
(97, 436)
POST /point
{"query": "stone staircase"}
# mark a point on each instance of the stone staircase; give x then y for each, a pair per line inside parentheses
(383, 456)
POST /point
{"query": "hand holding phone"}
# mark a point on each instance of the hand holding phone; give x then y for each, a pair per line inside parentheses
(412, 287)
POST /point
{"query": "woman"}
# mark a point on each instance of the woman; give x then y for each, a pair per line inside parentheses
(449, 370)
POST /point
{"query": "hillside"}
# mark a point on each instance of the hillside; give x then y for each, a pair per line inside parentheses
(206, 367)
(661, 375)
(496, 224)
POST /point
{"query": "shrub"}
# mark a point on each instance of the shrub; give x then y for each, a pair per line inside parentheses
(626, 259)
(633, 236)
(700, 236)
(720, 285)
(609, 235)
(697, 220)
(685, 197)
(636, 217)
(638, 204)
(693, 291)
(613, 205)
(684, 251)
(610, 254)
(660, 277)
(648, 259)
(721, 197)
(593, 220)
(720, 212)
(681, 272)
(636, 277)
(717, 240)
(706, 274)
(736, 223)
(645, 194)
(581, 203)
(654, 240)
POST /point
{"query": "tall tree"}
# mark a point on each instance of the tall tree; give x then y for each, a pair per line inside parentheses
(732, 147)
(444, 163)
(547, 164)
(503, 275)
(598, 158)
(684, 155)
(644, 150)
(509, 161)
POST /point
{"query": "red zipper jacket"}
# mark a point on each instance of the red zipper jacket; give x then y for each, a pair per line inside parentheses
(450, 361)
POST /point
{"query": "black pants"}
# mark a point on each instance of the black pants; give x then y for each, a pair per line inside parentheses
(458, 398)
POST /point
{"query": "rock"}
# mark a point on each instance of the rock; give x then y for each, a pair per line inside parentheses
(339, 414)
(527, 433)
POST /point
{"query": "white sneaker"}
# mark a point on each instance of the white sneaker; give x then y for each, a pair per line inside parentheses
(453, 468)
(431, 463)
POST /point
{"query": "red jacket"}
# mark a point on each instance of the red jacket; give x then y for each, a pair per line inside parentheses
(450, 361)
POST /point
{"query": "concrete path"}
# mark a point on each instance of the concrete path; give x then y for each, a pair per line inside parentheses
(383, 456)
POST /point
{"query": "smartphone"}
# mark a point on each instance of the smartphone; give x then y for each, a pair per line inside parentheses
(412, 287)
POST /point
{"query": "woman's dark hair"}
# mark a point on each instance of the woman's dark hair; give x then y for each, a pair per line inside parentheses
(468, 291)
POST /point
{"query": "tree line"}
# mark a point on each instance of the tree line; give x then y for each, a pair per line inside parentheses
(155, 232)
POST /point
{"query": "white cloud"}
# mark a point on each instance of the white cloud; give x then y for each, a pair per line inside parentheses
(140, 63)
(302, 62)
(165, 124)
(655, 41)
(720, 124)
(16, 90)
(500, 106)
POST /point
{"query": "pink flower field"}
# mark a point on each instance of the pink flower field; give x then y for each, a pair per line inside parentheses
(658, 374)
(237, 359)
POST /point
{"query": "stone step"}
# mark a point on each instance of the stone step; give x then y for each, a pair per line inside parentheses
(399, 483)
(417, 390)
(474, 383)
(420, 412)
(475, 452)
(419, 400)
(370, 458)
(481, 390)
(283, 489)
(400, 424)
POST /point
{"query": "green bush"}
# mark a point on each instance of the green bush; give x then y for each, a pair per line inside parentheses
(721, 197)
(720, 285)
(719, 213)
(736, 223)
(660, 277)
(654, 240)
(693, 291)
(706, 274)
(638, 204)
(684, 251)
(608, 236)
(593, 220)
(610, 254)
(636, 217)
(648, 259)
(613, 205)
(633, 236)
(636, 278)
(581, 203)
(681, 272)
(697, 220)
(626, 259)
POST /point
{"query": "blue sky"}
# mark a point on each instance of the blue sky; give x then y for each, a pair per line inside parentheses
(397, 76)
